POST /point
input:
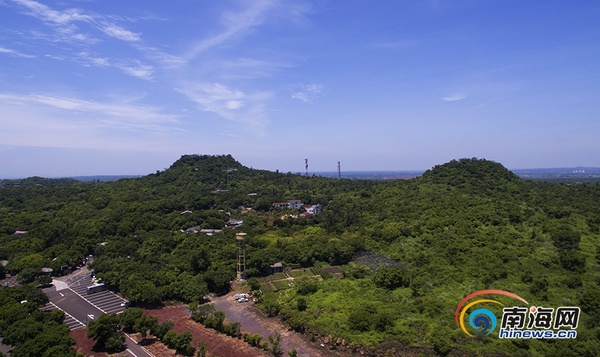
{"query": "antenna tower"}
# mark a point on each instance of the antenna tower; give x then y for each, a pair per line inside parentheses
(306, 167)
(339, 171)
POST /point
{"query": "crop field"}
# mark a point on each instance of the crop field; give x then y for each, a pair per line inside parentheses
(299, 273)
(282, 281)
(268, 287)
(277, 276)
(329, 272)
(281, 284)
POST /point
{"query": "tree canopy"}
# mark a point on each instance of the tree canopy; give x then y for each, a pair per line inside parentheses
(463, 226)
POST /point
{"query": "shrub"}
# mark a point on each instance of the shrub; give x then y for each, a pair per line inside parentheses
(232, 329)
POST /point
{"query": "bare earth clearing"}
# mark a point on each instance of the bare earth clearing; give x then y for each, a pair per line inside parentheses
(217, 344)
(252, 321)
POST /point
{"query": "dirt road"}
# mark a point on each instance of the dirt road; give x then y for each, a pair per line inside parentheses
(253, 321)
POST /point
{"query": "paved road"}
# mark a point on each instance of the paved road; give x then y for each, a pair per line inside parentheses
(69, 294)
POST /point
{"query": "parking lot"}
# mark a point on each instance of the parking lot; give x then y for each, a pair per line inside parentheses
(105, 301)
(70, 321)
(70, 294)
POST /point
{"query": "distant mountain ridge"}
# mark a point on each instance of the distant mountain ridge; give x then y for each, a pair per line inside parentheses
(563, 173)
(104, 178)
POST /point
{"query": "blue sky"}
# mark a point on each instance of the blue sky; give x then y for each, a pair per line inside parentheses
(127, 87)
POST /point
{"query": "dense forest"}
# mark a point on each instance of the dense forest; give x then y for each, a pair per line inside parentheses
(461, 227)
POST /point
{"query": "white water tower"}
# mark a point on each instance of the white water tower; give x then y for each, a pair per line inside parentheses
(241, 259)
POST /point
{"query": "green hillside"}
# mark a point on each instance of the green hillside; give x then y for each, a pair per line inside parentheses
(464, 226)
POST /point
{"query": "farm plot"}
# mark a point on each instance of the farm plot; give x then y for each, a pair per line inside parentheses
(281, 284)
(283, 281)
(300, 273)
(374, 260)
(268, 287)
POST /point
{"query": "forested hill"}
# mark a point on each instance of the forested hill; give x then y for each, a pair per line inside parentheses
(464, 173)
(463, 226)
(36, 181)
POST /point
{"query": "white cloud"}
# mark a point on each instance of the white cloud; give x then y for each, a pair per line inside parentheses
(66, 34)
(455, 97)
(15, 53)
(236, 24)
(166, 59)
(49, 120)
(215, 97)
(47, 14)
(306, 92)
(134, 68)
(134, 112)
(100, 61)
(137, 69)
(120, 33)
(63, 22)
(230, 104)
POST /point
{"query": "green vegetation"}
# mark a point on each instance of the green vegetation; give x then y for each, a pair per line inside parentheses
(30, 331)
(108, 330)
(409, 250)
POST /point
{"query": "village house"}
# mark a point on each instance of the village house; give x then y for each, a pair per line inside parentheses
(313, 209)
(276, 268)
(291, 204)
(233, 223)
(309, 210)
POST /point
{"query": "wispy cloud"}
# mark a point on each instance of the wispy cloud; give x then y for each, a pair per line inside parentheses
(120, 33)
(235, 24)
(64, 23)
(65, 27)
(454, 97)
(306, 92)
(15, 53)
(47, 14)
(66, 35)
(137, 69)
(215, 86)
(215, 97)
(133, 67)
(230, 104)
(165, 59)
(132, 112)
(41, 119)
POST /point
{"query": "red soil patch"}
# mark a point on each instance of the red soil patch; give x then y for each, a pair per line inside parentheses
(217, 344)
(84, 345)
